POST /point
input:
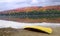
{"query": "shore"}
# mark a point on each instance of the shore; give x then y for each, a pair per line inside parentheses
(52, 20)
(23, 32)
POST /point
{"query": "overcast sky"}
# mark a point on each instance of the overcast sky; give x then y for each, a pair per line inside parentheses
(11, 4)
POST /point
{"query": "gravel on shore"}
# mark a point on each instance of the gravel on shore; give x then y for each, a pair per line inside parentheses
(23, 32)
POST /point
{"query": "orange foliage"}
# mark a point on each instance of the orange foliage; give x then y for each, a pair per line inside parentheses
(28, 9)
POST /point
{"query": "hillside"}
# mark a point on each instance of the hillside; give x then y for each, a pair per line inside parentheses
(52, 8)
(28, 9)
(25, 9)
(35, 14)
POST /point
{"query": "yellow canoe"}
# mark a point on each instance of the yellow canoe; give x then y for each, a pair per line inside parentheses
(44, 29)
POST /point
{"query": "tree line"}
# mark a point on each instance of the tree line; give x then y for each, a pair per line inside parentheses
(34, 14)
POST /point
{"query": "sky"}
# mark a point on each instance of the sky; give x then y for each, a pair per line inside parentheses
(12, 4)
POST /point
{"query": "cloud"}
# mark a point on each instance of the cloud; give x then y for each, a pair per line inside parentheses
(13, 0)
(11, 4)
(55, 0)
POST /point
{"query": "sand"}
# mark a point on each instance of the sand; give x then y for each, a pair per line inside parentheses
(24, 32)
